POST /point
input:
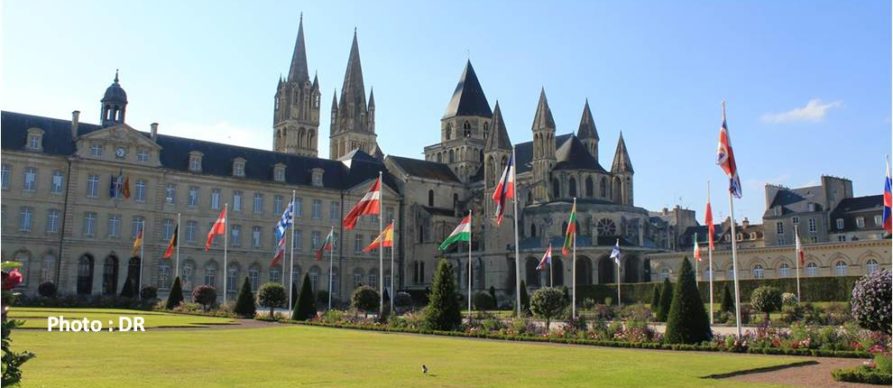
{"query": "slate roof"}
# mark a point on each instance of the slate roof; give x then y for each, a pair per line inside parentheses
(468, 98)
(796, 201)
(499, 138)
(298, 71)
(425, 169)
(524, 153)
(543, 117)
(573, 155)
(587, 128)
(622, 162)
(851, 208)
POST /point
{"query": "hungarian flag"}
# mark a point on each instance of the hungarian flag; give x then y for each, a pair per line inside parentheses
(800, 254)
(137, 243)
(125, 190)
(280, 253)
(505, 189)
(697, 253)
(708, 219)
(327, 245)
(571, 232)
(385, 239)
(369, 205)
(461, 233)
(547, 259)
(218, 229)
(888, 201)
(725, 157)
(172, 244)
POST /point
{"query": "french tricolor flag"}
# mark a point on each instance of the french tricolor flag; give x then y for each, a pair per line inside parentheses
(505, 189)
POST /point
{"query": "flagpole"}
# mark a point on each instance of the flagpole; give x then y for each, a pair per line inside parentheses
(380, 250)
(331, 264)
(469, 265)
(697, 259)
(517, 249)
(797, 259)
(573, 266)
(225, 243)
(178, 241)
(734, 249)
(551, 275)
(393, 292)
(710, 255)
(291, 264)
(619, 257)
(142, 257)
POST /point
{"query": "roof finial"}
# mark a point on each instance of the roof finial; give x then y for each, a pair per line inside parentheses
(301, 18)
(116, 75)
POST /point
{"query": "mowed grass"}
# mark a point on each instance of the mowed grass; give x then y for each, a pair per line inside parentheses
(291, 355)
(36, 317)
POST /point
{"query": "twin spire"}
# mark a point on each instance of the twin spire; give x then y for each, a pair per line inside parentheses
(298, 71)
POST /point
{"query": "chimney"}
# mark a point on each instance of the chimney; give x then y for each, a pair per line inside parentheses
(745, 223)
(75, 117)
(154, 131)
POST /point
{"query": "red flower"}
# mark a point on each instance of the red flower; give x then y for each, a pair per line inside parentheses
(13, 279)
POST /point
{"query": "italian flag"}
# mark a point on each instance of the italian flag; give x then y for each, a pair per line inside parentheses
(461, 233)
(571, 232)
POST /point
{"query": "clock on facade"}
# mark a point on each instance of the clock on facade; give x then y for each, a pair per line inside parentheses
(120, 152)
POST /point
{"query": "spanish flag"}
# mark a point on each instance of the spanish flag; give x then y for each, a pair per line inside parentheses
(173, 244)
(137, 243)
(385, 239)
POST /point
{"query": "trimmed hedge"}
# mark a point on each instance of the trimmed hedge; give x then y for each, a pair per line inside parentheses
(862, 374)
(812, 289)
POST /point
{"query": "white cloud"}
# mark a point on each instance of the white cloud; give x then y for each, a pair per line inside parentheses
(221, 132)
(814, 111)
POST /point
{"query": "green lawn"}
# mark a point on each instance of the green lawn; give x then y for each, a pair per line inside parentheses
(293, 354)
(36, 317)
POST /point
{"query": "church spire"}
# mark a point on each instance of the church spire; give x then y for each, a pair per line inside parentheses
(543, 117)
(499, 139)
(622, 162)
(587, 124)
(353, 91)
(298, 71)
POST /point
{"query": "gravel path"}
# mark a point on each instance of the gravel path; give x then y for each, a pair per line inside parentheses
(815, 375)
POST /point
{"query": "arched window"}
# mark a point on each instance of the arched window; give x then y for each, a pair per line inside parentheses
(556, 188)
(85, 275)
(589, 187)
(439, 157)
(211, 274)
(372, 278)
(812, 269)
(603, 188)
(840, 268)
(467, 125)
(448, 131)
(871, 266)
(784, 270)
(572, 187)
(452, 156)
(314, 278)
(164, 274)
(110, 276)
(758, 271)
(232, 277)
(276, 274)
(431, 198)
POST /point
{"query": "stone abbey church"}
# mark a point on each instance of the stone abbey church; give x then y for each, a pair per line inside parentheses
(63, 221)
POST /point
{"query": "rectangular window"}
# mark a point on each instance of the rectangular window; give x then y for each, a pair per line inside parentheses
(255, 237)
(812, 225)
(316, 239)
(114, 226)
(358, 243)
(779, 227)
(277, 204)
(237, 201)
(878, 220)
(170, 193)
(142, 156)
(316, 209)
(841, 238)
(140, 192)
(57, 182)
(92, 186)
(34, 142)
(860, 222)
(840, 223)
(89, 224)
(137, 225)
(96, 150)
(195, 164)
(389, 213)
(25, 219)
(30, 179)
(5, 176)
(795, 220)
(333, 211)
(52, 221)
(258, 203)
(298, 241)
(193, 196)
(215, 199)
(236, 236)
(299, 207)
(279, 174)
(167, 229)
(191, 229)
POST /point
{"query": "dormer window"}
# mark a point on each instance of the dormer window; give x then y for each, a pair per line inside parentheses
(317, 177)
(35, 139)
(142, 156)
(811, 206)
(195, 161)
(239, 167)
(96, 150)
(279, 172)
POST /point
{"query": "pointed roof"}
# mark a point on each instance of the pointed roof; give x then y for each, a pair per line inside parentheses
(468, 98)
(353, 88)
(543, 117)
(572, 155)
(372, 97)
(335, 100)
(622, 163)
(499, 137)
(298, 71)
(587, 124)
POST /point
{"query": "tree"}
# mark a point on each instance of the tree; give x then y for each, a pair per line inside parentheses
(666, 298)
(175, 297)
(272, 295)
(483, 301)
(766, 299)
(525, 299)
(365, 299)
(442, 312)
(305, 308)
(548, 303)
(728, 304)
(204, 295)
(655, 299)
(322, 297)
(402, 300)
(47, 290)
(245, 306)
(871, 301)
(687, 322)
(148, 293)
(129, 289)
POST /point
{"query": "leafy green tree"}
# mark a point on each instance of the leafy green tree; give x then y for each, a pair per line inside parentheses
(483, 301)
(204, 295)
(245, 306)
(687, 322)
(442, 312)
(655, 299)
(766, 299)
(666, 297)
(306, 307)
(365, 299)
(272, 295)
(525, 299)
(727, 304)
(175, 297)
(548, 303)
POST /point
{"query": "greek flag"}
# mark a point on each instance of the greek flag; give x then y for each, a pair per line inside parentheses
(285, 221)
(615, 253)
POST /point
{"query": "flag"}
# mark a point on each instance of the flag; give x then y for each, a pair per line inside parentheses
(385, 239)
(547, 259)
(327, 245)
(285, 221)
(571, 233)
(125, 190)
(888, 201)
(461, 233)
(505, 189)
(615, 253)
(708, 219)
(725, 157)
(219, 228)
(171, 245)
(801, 256)
(370, 204)
(697, 253)
(137, 243)
(280, 252)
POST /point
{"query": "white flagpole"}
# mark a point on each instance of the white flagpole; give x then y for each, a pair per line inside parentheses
(291, 264)
(797, 259)
(574, 266)
(142, 256)
(380, 248)
(696, 260)
(619, 257)
(393, 292)
(225, 243)
(331, 265)
(734, 251)
(710, 257)
(517, 249)
(178, 241)
(551, 275)
(469, 265)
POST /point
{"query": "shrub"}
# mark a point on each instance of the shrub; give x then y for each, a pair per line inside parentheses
(442, 312)
(766, 299)
(129, 289)
(148, 293)
(655, 298)
(871, 301)
(666, 298)
(175, 297)
(687, 322)
(588, 304)
(402, 300)
(789, 299)
(548, 303)
(483, 301)
(305, 308)
(204, 295)
(525, 299)
(322, 298)
(862, 374)
(365, 299)
(492, 292)
(272, 295)
(47, 290)
(294, 293)
(245, 306)
(728, 304)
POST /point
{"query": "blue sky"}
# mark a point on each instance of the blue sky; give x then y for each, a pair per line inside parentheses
(808, 83)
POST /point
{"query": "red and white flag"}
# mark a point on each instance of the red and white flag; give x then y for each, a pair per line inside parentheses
(801, 256)
(725, 157)
(547, 259)
(218, 229)
(369, 205)
(505, 189)
(697, 253)
(280, 253)
(708, 219)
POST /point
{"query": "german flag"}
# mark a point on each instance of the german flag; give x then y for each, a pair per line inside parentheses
(173, 244)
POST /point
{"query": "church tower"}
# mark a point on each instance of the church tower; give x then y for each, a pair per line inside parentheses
(296, 106)
(587, 133)
(622, 171)
(353, 120)
(543, 148)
